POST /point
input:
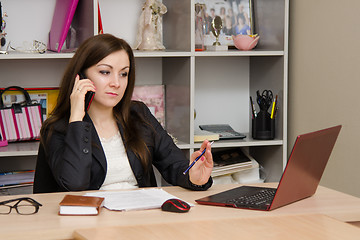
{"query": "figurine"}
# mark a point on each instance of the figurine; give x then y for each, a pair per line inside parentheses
(149, 36)
(2, 31)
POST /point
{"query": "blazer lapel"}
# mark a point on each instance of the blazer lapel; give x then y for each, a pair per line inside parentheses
(97, 150)
(134, 162)
(99, 154)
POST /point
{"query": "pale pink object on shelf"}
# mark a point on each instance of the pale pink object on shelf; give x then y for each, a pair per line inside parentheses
(3, 143)
(63, 16)
(245, 42)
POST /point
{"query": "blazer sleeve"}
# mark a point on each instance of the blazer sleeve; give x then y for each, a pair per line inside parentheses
(69, 156)
(166, 156)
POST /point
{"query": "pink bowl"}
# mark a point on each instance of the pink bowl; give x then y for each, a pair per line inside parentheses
(245, 42)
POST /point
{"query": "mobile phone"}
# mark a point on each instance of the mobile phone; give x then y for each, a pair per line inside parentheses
(89, 95)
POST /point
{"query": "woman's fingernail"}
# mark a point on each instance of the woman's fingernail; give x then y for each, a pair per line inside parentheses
(202, 158)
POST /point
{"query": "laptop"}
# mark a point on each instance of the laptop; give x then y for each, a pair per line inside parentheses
(299, 180)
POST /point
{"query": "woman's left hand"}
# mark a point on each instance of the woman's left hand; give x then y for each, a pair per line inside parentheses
(200, 173)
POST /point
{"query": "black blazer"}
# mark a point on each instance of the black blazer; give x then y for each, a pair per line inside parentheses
(74, 159)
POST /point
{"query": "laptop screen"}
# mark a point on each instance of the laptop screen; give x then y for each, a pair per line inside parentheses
(305, 166)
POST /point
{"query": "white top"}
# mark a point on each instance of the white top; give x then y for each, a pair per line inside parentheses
(119, 174)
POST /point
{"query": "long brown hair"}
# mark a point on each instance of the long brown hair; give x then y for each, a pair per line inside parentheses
(92, 51)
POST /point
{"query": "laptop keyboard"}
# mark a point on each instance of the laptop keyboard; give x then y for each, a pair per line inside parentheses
(263, 197)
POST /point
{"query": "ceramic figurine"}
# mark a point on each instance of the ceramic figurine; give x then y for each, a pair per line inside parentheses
(149, 36)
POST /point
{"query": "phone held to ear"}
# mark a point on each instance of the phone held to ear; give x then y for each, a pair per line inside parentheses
(89, 95)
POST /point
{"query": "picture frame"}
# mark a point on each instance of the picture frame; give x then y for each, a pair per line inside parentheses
(154, 98)
(237, 16)
(47, 97)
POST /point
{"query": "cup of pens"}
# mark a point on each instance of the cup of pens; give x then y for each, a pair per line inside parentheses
(263, 122)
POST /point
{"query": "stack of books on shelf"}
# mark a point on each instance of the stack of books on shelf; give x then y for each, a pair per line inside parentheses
(16, 182)
(202, 135)
(235, 166)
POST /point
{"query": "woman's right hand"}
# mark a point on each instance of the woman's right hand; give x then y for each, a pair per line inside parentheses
(77, 98)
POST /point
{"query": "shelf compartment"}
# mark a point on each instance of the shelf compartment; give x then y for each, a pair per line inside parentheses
(176, 22)
(174, 74)
(20, 149)
(267, 72)
(28, 73)
(221, 92)
(176, 77)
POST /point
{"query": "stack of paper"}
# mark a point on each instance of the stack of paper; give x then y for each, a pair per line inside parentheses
(244, 176)
(230, 161)
(251, 175)
(202, 135)
(133, 199)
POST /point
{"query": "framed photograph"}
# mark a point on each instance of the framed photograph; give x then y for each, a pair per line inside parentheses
(47, 97)
(154, 98)
(236, 18)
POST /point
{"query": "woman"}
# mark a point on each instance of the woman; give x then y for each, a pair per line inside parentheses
(113, 144)
(228, 28)
(242, 28)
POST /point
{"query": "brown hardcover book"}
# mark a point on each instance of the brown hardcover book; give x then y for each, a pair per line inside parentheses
(80, 205)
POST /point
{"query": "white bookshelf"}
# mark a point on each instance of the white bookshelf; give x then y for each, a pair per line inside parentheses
(215, 84)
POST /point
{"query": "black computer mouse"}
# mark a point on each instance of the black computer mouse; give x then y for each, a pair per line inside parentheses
(175, 205)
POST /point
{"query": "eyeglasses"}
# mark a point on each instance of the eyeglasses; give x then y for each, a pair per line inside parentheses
(23, 206)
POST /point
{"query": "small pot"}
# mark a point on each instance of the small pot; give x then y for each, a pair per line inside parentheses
(245, 42)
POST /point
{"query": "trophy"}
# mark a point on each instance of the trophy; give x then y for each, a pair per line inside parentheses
(216, 26)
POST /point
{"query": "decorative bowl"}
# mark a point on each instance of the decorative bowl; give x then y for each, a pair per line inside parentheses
(245, 42)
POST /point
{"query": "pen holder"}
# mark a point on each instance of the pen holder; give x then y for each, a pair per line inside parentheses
(263, 126)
